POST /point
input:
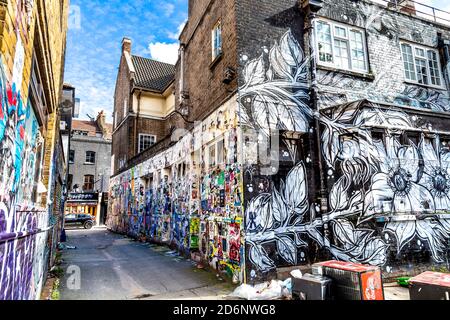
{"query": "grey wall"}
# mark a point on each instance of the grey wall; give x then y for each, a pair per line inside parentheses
(79, 169)
(384, 31)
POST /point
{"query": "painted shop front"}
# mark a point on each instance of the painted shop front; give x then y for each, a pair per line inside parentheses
(85, 203)
(358, 167)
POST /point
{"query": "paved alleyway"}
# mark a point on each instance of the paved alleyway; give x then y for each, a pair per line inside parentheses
(115, 267)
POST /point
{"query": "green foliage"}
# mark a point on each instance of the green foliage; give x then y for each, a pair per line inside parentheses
(55, 291)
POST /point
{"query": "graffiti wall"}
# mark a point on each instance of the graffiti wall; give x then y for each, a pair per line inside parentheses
(383, 200)
(320, 163)
(189, 196)
(22, 244)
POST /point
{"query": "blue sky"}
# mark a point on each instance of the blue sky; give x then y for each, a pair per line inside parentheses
(96, 29)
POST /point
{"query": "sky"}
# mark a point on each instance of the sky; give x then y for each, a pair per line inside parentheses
(96, 30)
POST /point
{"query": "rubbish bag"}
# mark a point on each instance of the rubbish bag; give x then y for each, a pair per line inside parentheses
(265, 291)
(296, 274)
(286, 288)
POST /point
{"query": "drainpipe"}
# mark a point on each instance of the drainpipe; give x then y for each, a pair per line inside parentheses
(314, 93)
(136, 122)
(182, 47)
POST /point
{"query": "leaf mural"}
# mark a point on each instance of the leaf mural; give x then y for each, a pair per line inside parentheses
(286, 58)
(339, 196)
(432, 231)
(404, 232)
(254, 72)
(359, 245)
(258, 256)
(295, 191)
(287, 249)
(278, 94)
(375, 252)
(279, 210)
(259, 215)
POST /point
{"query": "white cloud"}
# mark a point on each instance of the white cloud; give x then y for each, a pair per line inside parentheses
(176, 35)
(164, 52)
(168, 9)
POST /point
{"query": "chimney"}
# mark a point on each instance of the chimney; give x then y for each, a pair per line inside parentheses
(405, 6)
(126, 45)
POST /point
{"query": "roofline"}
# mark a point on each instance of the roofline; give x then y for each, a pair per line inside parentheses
(135, 55)
(134, 88)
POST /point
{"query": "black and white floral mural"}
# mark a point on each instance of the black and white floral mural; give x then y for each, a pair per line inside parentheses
(386, 191)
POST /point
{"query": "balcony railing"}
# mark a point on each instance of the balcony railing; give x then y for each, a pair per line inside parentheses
(418, 8)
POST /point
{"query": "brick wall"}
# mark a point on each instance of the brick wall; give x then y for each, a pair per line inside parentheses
(120, 149)
(203, 80)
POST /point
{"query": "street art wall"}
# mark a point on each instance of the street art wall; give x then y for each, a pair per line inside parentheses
(22, 244)
(190, 196)
(359, 174)
(385, 167)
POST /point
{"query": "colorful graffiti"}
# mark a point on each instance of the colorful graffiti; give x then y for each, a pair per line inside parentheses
(178, 199)
(22, 237)
(386, 194)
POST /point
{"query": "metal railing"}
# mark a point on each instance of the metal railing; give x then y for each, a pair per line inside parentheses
(10, 236)
(419, 9)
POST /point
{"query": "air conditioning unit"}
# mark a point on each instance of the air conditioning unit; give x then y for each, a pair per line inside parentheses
(352, 281)
(430, 286)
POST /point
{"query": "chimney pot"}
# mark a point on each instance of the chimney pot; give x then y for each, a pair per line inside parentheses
(126, 45)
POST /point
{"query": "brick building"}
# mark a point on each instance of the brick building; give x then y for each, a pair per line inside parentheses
(353, 99)
(32, 42)
(143, 105)
(89, 166)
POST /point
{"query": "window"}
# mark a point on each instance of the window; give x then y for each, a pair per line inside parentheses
(421, 65)
(212, 155)
(81, 133)
(146, 141)
(220, 152)
(341, 46)
(90, 157)
(216, 41)
(88, 183)
(71, 156)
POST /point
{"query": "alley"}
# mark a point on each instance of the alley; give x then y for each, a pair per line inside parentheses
(114, 267)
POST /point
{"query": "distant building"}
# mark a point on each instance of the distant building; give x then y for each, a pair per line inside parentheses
(144, 105)
(89, 165)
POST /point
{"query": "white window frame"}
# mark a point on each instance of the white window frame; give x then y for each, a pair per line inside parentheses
(426, 50)
(348, 29)
(215, 145)
(141, 135)
(216, 52)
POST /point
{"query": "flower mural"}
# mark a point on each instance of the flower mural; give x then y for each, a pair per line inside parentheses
(437, 173)
(371, 176)
(396, 188)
